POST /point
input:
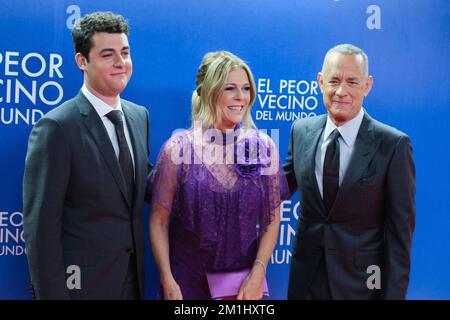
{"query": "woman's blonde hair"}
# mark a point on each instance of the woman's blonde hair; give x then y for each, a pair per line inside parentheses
(211, 77)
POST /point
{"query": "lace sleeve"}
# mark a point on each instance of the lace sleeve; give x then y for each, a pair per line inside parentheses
(165, 177)
(274, 183)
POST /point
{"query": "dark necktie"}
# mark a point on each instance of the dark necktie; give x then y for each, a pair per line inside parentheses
(125, 161)
(331, 170)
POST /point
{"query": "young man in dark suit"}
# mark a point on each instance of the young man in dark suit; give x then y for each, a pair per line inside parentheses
(356, 181)
(85, 177)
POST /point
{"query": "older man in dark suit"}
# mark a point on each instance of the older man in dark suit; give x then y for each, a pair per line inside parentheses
(356, 181)
(85, 177)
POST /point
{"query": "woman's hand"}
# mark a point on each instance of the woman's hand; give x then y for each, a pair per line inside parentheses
(171, 290)
(252, 287)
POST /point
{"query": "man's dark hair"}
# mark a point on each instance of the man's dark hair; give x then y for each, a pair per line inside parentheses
(94, 22)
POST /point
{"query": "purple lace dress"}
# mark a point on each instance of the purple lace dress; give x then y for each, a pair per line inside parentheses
(218, 188)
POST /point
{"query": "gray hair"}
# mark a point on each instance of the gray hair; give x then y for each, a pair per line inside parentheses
(349, 49)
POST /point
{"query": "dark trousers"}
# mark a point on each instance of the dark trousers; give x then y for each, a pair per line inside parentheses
(320, 286)
(130, 290)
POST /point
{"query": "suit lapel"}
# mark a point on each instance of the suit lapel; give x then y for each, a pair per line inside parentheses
(312, 141)
(365, 147)
(138, 146)
(98, 132)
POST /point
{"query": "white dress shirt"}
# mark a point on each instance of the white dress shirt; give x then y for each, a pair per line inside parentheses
(102, 109)
(348, 132)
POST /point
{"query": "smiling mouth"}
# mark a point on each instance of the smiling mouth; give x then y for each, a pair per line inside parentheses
(341, 102)
(236, 108)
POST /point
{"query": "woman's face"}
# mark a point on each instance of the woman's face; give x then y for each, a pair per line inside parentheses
(234, 99)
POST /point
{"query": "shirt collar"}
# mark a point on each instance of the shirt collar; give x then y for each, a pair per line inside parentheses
(348, 131)
(99, 105)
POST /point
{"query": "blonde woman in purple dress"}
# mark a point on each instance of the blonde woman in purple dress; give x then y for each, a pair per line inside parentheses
(216, 191)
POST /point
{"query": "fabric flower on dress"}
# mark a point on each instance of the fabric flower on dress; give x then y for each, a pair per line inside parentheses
(247, 154)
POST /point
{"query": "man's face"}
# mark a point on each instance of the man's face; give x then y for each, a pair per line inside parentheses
(344, 86)
(109, 68)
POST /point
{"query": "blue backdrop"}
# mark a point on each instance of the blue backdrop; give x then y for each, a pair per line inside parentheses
(284, 42)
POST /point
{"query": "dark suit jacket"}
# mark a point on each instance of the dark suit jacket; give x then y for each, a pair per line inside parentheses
(371, 222)
(74, 205)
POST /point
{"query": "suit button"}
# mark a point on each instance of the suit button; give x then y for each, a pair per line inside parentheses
(130, 250)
